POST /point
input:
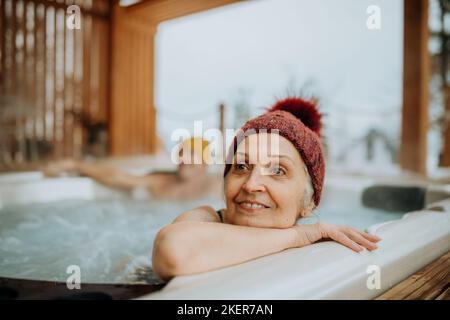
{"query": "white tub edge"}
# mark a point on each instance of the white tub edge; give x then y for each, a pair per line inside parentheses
(54, 189)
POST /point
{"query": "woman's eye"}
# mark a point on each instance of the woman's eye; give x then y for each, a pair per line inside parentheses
(278, 171)
(240, 167)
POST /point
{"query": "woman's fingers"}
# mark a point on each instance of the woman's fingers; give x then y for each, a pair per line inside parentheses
(346, 241)
(358, 238)
(350, 237)
(369, 236)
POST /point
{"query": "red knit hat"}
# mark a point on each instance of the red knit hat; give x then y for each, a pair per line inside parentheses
(299, 121)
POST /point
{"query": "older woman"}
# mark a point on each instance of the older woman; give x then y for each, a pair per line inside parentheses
(267, 190)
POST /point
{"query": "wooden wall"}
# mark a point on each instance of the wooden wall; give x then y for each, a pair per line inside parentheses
(54, 79)
(51, 74)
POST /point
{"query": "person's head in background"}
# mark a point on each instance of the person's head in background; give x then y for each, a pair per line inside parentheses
(193, 158)
(274, 187)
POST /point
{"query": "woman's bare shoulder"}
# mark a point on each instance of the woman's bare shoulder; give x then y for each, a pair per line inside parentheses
(202, 213)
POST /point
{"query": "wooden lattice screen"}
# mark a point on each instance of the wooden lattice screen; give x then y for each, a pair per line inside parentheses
(54, 80)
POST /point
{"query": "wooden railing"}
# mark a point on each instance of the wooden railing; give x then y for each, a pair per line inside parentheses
(54, 81)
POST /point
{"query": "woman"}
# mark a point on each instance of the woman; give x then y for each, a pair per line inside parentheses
(266, 193)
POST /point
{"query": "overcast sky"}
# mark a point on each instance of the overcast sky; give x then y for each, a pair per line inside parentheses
(265, 46)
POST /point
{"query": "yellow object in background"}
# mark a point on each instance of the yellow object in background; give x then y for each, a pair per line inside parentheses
(198, 146)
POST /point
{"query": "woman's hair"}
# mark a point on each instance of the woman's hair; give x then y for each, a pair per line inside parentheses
(308, 196)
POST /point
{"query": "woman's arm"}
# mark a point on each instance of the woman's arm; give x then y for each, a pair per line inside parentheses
(197, 243)
(195, 246)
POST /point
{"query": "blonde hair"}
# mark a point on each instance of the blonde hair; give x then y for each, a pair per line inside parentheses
(198, 146)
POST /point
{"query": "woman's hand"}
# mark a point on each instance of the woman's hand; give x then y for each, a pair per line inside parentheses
(54, 169)
(347, 236)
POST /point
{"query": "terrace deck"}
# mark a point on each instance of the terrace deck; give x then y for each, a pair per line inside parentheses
(429, 283)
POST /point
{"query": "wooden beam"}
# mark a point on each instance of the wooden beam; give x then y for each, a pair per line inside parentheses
(157, 11)
(415, 87)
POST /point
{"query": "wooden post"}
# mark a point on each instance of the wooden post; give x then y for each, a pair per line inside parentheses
(445, 155)
(415, 87)
(222, 118)
(133, 125)
(222, 127)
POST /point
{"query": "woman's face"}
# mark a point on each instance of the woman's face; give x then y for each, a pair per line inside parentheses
(265, 186)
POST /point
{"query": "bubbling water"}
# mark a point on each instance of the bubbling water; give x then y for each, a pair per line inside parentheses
(109, 240)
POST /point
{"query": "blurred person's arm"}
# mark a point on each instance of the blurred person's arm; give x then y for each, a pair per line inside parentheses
(105, 174)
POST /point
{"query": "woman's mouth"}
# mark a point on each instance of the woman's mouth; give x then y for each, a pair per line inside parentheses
(252, 206)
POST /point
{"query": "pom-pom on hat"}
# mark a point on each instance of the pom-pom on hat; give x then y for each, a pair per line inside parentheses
(299, 121)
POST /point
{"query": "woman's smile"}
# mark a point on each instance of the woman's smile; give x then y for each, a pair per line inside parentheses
(251, 206)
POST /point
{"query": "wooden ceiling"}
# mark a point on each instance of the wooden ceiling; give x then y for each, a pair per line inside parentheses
(157, 11)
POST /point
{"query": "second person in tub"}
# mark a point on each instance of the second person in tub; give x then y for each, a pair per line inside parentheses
(266, 193)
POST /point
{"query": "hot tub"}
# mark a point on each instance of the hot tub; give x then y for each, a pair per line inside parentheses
(48, 225)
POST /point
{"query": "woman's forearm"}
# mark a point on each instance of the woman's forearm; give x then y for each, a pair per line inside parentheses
(192, 247)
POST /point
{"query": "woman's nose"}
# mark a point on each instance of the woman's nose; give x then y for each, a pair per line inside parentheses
(254, 182)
